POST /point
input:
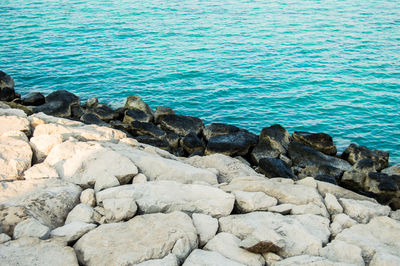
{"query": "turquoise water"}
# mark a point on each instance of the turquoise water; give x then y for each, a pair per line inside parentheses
(322, 66)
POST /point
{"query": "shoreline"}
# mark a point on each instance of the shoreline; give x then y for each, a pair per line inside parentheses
(274, 152)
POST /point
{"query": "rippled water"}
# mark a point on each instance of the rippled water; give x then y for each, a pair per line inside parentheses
(322, 66)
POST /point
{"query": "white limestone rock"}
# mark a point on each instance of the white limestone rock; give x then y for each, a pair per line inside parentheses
(84, 162)
(395, 215)
(168, 196)
(120, 209)
(9, 121)
(206, 227)
(139, 178)
(4, 238)
(208, 258)
(145, 237)
(31, 228)
(381, 258)
(308, 181)
(340, 222)
(282, 208)
(35, 252)
(263, 240)
(381, 234)
(253, 201)
(271, 258)
(310, 208)
(339, 192)
(157, 168)
(87, 197)
(307, 260)
(332, 204)
(16, 155)
(228, 245)
(40, 171)
(104, 182)
(47, 200)
(340, 251)
(228, 167)
(169, 260)
(72, 231)
(393, 170)
(43, 144)
(82, 213)
(362, 211)
(303, 234)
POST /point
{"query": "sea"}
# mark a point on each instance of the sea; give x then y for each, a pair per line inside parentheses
(328, 66)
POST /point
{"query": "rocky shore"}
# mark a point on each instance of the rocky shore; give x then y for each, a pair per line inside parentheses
(83, 184)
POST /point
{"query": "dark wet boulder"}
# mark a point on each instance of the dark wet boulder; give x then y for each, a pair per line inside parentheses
(277, 136)
(92, 102)
(120, 126)
(274, 167)
(156, 142)
(137, 128)
(354, 178)
(316, 163)
(136, 103)
(197, 153)
(354, 153)
(136, 115)
(34, 99)
(103, 111)
(162, 111)
(192, 143)
(27, 109)
(172, 138)
(216, 129)
(77, 111)
(7, 92)
(92, 119)
(327, 178)
(263, 150)
(234, 144)
(319, 141)
(58, 103)
(181, 125)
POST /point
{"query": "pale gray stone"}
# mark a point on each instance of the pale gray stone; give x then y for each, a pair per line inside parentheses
(72, 231)
(308, 181)
(263, 240)
(120, 209)
(208, 258)
(253, 201)
(104, 182)
(4, 238)
(282, 208)
(88, 197)
(31, 228)
(169, 260)
(82, 213)
(340, 251)
(139, 178)
(362, 211)
(340, 222)
(307, 260)
(43, 144)
(332, 204)
(40, 171)
(206, 227)
(381, 258)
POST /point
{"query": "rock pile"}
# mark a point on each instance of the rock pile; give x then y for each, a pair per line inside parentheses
(74, 193)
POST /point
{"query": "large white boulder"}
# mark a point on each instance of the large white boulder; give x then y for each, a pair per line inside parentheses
(340, 251)
(362, 210)
(206, 227)
(16, 155)
(31, 228)
(145, 237)
(228, 245)
(307, 260)
(168, 196)
(84, 162)
(117, 210)
(228, 167)
(253, 201)
(340, 222)
(208, 258)
(43, 144)
(303, 234)
(381, 234)
(82, 213)
(72, 231)
(35, 252)
(13, 120)
(40, 171)
(47, 200)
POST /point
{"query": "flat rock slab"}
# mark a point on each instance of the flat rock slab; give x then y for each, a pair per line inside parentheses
(35, 252)
(302, 234)
(169, 196)
(228, 167)
(142, 238)
(362, 211)
(48, 201)
(209, 258)
(156, 167)
(13, 120)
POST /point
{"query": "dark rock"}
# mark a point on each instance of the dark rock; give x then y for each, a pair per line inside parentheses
(136, 103)
(34, 99)
(238, 143)
(120, 126)
(156, 142)
(77, 111)
(285, 159)
(92, 102)
(104, 112)
(58, 103)
(395, 204)
(263, 150)
(162, 111)
(197, 153)
(136, 115)
(378, 183)
(181, 125)
(180, 152)
(320, 141)
(216, 129)
(315, 162)
(355, 153)
(192, 143)
(120, 113)
(311, 170)
(354, 179)
(27, 109)
(274, 167)
(7, 92)
(173, 139)
(277, 136)
(137, 128)
(92, 119)
(327, 178)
